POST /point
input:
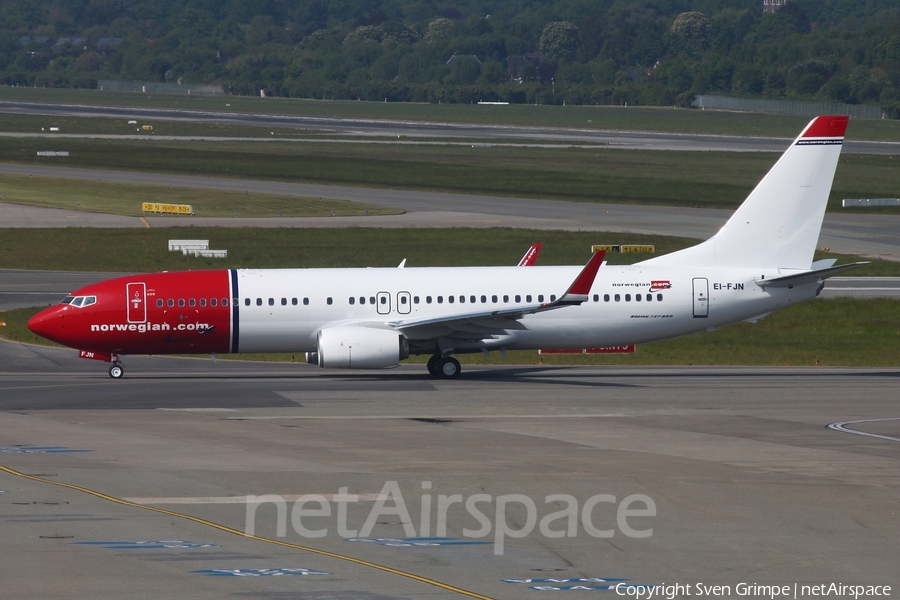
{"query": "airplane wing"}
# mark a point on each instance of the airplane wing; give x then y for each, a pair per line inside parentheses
(482, 324)
(530, 257)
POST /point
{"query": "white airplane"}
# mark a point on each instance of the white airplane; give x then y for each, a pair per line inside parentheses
(760, 261)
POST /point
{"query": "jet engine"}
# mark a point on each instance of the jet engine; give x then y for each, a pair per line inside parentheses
(354, 347)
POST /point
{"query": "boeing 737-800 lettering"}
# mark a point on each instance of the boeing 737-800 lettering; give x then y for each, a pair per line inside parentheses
(760, 261)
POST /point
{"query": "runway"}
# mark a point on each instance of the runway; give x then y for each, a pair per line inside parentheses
(385, 128)
(859, 234)
(745, 482)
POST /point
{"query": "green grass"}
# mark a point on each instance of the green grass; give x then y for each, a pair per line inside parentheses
(136, 250)
(16, 123)
(694, 179)
(127, 199)
(834, 332)
(588, 117)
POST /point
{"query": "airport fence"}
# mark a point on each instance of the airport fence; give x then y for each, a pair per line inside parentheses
(790, 107)
(151, 87)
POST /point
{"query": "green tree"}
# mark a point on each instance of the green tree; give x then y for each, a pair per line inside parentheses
(693, 29)
(560, 41)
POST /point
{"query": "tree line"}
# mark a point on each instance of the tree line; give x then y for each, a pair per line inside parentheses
(658, 52)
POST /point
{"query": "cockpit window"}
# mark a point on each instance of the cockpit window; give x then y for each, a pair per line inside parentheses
(80, 301)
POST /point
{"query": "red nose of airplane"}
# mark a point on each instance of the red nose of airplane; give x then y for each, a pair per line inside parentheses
(50, 324)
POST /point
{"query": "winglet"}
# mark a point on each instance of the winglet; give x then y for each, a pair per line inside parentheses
(580, 289)
(531, 256)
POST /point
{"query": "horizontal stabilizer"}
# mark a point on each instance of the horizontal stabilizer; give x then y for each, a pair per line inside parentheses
(806, 276)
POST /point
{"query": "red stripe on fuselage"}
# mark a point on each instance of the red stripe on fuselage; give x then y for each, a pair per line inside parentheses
(113, 325)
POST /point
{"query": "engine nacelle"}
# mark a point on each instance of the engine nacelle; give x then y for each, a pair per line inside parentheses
(354, 347)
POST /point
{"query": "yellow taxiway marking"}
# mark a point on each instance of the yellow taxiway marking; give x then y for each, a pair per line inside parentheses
(238, 532)
(146, 222)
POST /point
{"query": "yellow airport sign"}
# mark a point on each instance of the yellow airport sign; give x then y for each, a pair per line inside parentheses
(625, 248)
(167, 209)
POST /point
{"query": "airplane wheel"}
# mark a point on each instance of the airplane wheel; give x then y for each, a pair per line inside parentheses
(116, 372)
(432, 365)
(448, 368)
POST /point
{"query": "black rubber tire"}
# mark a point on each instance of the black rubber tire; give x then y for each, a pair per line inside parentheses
(432, 365)
(116, 371)
(448, 368)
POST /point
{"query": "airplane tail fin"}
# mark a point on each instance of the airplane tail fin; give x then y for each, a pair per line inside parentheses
(778, 224)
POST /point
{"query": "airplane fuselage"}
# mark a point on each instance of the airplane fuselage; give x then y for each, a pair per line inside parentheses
(283, 310)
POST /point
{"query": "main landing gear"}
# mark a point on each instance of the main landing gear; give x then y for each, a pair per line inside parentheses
(116, 371)
(445, 367)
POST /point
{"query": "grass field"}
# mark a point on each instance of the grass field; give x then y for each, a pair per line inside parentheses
(835, 332)
(126, 199)
(137, 250)
(587, 117)
(695, 179)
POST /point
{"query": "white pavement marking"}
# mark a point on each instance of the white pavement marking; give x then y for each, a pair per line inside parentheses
(842, 427)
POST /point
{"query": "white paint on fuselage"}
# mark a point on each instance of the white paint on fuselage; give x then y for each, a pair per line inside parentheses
(293, 328)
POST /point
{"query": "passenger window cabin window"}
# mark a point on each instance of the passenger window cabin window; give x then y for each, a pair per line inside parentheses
(649, 297)
(606, 297)
(159, 303)
(192, 302)
(659, 297)
(552, 297)
(440, 299)
(472, 299)
(518, 298)
(246, 301)
(528, 298)
(540, 297)
(212, 302)
(181, 303)
(449, 299)
(202, 302)
(362, 299)
(329, 301)
(284, 301)
(259, 301)
(505, 298)
(293, 302)
(596, 297)
(484, 299)
(627, 297)
(371, 299)
(637, 297)
(427, 299)
(306, 302)
(403, 300)
(352, 300)
(271, 301)
(415, 299)
(170, 303)
(494, 299)
(225, 301)
(462, 299)
(618, 298)
(384, 299)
